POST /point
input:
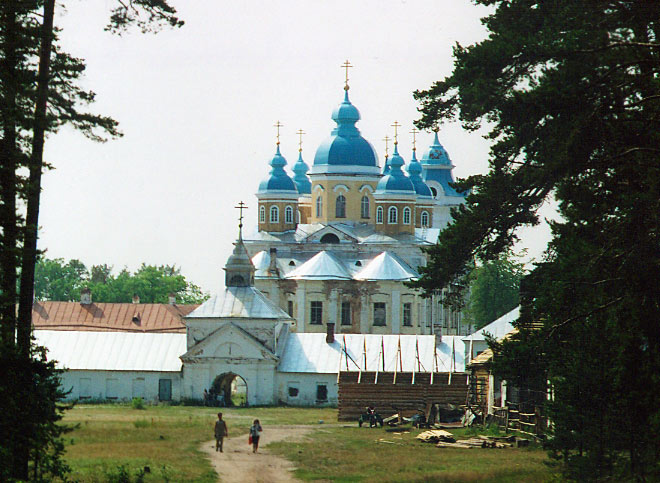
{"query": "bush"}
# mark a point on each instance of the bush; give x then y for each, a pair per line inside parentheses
(137, 403)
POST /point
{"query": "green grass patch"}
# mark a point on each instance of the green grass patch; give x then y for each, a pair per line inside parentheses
(346, 454)
(113, 442)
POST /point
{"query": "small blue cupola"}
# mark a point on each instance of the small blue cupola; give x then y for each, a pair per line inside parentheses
(395, 181)
(277, 180)
(345, 151)
(436, 170)
(300, 177)
(415, 175)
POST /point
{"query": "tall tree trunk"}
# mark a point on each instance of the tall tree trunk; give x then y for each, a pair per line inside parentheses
(8, 164)
(33, 192)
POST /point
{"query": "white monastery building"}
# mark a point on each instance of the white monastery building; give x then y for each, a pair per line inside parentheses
(318, 289)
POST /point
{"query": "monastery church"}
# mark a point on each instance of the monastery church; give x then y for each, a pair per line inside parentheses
(318, 290)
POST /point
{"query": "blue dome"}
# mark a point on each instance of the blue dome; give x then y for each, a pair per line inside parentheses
(277, 180)
(345, 146)
(386, 168)
(300, 177)
(415, 175)
(395, 180)
(436, 154)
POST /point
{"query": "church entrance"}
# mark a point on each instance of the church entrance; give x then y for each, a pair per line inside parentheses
(230, 390)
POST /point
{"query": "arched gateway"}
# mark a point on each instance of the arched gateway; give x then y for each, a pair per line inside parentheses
(231, 389)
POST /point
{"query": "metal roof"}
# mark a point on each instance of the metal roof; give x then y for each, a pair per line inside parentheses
(239, 302)
(309, 352)
(110, 316)
(498, 328)
(387, 266)
(322, 266)
(113, 351)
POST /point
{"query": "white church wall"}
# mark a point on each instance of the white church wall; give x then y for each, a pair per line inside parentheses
(302, 389)
(121, 385)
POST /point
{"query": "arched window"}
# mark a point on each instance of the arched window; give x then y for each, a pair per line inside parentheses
(434, 192)
(406, 216)
(340, 207)
(379, 214)
(298, 216)
(288, 215)
(364, 207)
(319, 206)
(425, 219)
(262, 214)
(392, 215)
(274, 214)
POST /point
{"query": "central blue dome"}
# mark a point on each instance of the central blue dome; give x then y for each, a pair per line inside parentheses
(345, 146)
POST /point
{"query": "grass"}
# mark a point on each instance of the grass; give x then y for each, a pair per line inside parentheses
(115, 440)
(349, 453)
(164, 438)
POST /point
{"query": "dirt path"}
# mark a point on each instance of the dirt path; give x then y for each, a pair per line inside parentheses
(238, 464)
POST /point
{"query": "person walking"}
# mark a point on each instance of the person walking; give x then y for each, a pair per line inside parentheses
(255, 434)
(220, 432)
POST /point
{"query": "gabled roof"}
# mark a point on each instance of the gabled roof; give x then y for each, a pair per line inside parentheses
(309, 352)
(498, 328)
(113, 351)
(127, 317)
(224, 333)
(322, 266)
(387, 266)
(239, 302)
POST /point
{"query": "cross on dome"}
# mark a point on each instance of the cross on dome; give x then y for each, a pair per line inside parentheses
(387, 145)
(396, 126)
(278, 125)
(300, 133)
(414, 135)
(346, 65)
(241, 206)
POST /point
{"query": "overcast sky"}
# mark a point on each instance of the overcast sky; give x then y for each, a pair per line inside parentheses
(197, 107)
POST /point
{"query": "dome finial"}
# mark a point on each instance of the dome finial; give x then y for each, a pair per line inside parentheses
(414, 135)
(278, 125)
(346, 65)
(241, 206)
(396, 126)
(300, 133)
(387, 146)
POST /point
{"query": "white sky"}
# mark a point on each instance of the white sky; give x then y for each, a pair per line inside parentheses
(197, 107)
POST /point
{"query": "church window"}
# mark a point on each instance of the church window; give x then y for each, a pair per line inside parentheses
(380, 313)
(340, 207)
(293, 391)
(407, 314)
(316, 315)
(392, 215)
(319, 206)
(262, 214)
(364, 207)
(321, 392)
(379, 214)
(274, 214)
(406, 216)
(288, 215)
(425, 219)
(289, 308)
(329, 238)
(434, 192)
(345, 313)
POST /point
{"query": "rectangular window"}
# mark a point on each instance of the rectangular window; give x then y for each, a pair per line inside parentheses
(379, 313)
(407, 315)
(316, 316)
(321, 392)
(293, 390)
(138, 387)
(111, 388)
(345, 313)
(85, 391)
(289, 308)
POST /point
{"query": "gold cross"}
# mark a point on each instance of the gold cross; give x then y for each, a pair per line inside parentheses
(414, 133)
(300, 133)
(387, 145)
(241, 206)
(396, 132)
(278, 125)
(346, 65)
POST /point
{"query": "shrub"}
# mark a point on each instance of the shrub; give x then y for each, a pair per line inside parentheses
(137, 403)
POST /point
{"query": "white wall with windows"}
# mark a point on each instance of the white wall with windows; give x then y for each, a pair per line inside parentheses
(89, 385)
(307, 389)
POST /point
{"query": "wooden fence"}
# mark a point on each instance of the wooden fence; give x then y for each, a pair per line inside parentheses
(511, 418)
(392, 392)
